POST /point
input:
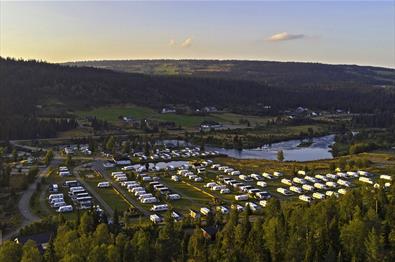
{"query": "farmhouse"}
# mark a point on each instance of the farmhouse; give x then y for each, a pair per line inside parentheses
(210, 125)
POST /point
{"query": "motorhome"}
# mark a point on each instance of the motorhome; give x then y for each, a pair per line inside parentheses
(261, 184)
(331, 176)
(58, 204)
(53, 196)
(342, 191)
(121, 178)
(299, 180)
(103, 184)
(256, 177)
(163, 207)
(155, 218)
(295, 189)
(235, 173)
(175, 178)
(263, 203)
(253, 207)
(317, 195)
(71, 183)
(331, 184)
(363, 173)
(286, 182)
(386, 177)
(331, 193)
(224, 191)
(267, 175)
(65, 209)
(310, 179)
(173, 197)
(277, 174)
(305, 198)
(283, 191)
(223, 210)
(308, 187)
(366, 180)
(319, 186)
(149, 200)
(241, 197)
(205, 211)
(343, 183)
(322, 178)
(263, 195)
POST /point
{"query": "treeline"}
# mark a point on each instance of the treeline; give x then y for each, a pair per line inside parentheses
(26, 127)
(363, 141)
(379, 119)
(359, 226)
(275, 73)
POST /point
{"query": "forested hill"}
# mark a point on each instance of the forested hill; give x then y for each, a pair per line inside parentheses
(26, 86)
(285, 74)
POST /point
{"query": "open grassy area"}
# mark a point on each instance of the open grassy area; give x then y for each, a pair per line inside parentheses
(112, 114)
(109, 195)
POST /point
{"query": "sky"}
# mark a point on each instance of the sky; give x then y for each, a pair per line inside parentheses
(336, 32)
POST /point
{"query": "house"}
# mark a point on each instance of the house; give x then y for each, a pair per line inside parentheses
(209, 232)
(209, 125)
(41, 240)
(168, 110)
(127, 119)
(209, 109)
(194, 214)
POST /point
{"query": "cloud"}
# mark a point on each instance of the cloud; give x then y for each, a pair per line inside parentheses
(172, 42)
(187, 42)
(284, 36)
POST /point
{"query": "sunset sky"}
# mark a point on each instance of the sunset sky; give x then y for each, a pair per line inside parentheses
(348, 32)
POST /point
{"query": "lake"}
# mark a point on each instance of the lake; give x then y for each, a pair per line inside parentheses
(319, 149)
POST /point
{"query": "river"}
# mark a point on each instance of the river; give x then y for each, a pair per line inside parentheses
(319, 149)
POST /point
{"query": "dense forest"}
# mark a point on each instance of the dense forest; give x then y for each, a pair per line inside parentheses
(286, 74)
(30, 89)
(359, 226)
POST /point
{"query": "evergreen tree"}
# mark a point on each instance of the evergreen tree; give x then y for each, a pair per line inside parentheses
(374, 246)
(10, 251)
(280, 155)
(30, 252)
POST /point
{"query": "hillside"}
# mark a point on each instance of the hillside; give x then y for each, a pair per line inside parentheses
(30, 89)
(285, 74)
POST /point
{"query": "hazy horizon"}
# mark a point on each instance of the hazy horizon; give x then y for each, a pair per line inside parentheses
(351, 32)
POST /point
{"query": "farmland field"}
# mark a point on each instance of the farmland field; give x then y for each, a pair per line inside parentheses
(112, 114)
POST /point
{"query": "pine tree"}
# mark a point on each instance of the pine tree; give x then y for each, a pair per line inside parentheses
(280, 155)
(30, 252)
(10, 251)
(374, 246)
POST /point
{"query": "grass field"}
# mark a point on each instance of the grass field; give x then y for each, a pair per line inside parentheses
(112, 113)
(109, 195)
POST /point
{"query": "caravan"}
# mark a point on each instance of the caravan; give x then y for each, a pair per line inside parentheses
(163, 207)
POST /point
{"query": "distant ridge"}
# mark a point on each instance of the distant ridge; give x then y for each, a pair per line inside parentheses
(272, 72)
